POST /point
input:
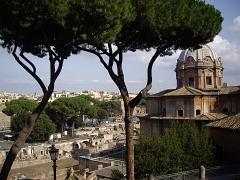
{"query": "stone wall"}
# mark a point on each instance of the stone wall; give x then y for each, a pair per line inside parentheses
(230, 103)
(21, 164)
(228, 144)
(152, 106)
(173, 104)
(92, 164)
(4, 119)
(153, 127)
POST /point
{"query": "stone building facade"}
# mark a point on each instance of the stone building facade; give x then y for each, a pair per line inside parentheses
(200, 94)
(225, 134)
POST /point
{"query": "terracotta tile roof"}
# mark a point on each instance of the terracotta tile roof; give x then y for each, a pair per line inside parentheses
(230, 90)
(230, 122)
(171, 118)
(190, 91)
(206, 117)
(161, 93)
(210, 116)
(185, 91)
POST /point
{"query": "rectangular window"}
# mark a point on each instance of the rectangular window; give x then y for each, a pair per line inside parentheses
(164, 112)
(191, 81)
(180, 84)
(180, 113)
(209, 80)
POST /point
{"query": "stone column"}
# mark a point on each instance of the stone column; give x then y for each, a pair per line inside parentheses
(202, 172)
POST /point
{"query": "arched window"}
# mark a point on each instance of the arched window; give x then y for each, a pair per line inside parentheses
(198, 112)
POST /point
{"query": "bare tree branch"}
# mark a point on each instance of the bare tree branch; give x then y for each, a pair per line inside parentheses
(53, 53)
(135, 101)
(60, 65)
(96, 53)
(119, 64)
(119, 81)
(111, 59)
(40, 82)
(53, 72)
(52, 65)
(29, 62)
(110, 48)
(116, 53)
(104, 51)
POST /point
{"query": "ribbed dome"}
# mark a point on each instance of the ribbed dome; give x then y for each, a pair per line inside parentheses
(201, 68)
(199, 54)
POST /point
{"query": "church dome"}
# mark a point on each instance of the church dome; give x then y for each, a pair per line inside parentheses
(198, 54)
(204, 56)
(201, 68)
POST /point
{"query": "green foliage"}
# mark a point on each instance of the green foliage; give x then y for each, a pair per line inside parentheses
(142, 24)
(74, 177)
(78, 122)
(20, 110)
(20, 105)
(112, 107)
(43, 128)
(183, 147)
(198, 150)
(62, 110)
(142, 102)
(18, 121)
(35, 25)
(99, 21)
(102, 114)
(71, 110)
(170, 25)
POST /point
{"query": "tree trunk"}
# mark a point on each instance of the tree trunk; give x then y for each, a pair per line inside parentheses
(22, 137)
(129, 145)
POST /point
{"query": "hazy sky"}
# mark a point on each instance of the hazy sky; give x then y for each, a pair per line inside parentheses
(85, 72)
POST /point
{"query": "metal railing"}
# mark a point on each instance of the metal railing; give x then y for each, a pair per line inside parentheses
(210, 172)
(184, 175)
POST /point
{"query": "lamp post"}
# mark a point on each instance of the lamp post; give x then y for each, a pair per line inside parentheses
(54, 156)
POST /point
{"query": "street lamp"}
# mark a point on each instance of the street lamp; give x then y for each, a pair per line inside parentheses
(54, 156)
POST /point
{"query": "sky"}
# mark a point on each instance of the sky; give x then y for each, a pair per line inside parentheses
(85, 72)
